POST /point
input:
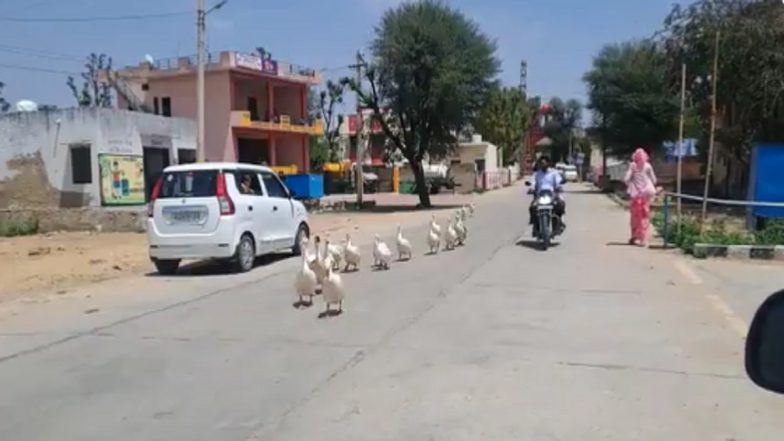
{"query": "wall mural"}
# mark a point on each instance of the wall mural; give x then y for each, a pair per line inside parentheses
(122, 179)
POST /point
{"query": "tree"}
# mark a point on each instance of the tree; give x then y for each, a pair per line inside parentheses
(96, 90)
(430, 72)
(750, 86)
(562, 119)
(4, 105)
(503, 119)
(328, 100)
(630, 93)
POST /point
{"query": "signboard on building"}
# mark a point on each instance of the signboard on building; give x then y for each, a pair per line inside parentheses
(247, 61)
(122, 179)
(353, 125)
(269, 66)
(256, 63)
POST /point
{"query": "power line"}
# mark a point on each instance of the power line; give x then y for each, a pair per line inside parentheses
(94, 19)
(40, 54)
(37, 69)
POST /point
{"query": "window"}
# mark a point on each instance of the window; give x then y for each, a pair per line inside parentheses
(81, 164)
(155, 106)
(166, 106)
(186, 156)
(145, 87)
(193, 184)
(253, 108)
(248, 183)
(275, 188)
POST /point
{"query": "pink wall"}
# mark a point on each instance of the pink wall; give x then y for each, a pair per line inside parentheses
(289, 150)
(256, 89)
(219, 143)
(287, 100)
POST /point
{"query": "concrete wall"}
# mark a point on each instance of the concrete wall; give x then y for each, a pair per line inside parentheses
(35, 159)
(468, 153)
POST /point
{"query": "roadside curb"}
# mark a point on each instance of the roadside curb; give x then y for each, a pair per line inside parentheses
(739, 252)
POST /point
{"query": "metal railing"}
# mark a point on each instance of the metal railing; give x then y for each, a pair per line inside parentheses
(723, 202)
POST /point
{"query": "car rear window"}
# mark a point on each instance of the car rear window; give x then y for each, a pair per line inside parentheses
(189, 184)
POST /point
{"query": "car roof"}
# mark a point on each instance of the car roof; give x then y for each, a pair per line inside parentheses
(215, 166)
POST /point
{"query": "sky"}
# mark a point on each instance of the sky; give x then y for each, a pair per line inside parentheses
(558, 38)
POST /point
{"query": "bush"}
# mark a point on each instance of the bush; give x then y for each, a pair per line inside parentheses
(18, 228)
(716, 233)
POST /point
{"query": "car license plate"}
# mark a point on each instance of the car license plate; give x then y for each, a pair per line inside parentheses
(186, 216)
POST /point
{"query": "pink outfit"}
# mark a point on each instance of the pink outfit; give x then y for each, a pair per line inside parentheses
(641, 187)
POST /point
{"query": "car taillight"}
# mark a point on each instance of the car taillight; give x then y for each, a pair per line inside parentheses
(224, 201)
(156, 190)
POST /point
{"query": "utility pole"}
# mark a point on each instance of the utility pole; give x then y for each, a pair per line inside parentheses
(200, 29)
(709, 170)
(679, 179)
(360, 179)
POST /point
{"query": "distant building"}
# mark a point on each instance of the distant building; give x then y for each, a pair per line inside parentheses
(86, 168)
(256, 108)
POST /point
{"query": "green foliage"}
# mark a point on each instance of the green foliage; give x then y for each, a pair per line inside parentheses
(95, 91)
(329, 99)
(502, 119)
(716, 233)
(431, 71)
(562, 119)
(4, 105)
(18, 228)
(631, 96)
(750, 90)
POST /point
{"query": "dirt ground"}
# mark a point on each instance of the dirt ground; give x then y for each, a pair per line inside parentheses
(56, 263)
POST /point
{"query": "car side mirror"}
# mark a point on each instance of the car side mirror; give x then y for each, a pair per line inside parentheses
(527, 183)
(765, 345)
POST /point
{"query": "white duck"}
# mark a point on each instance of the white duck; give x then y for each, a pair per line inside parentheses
(351, 254)
(450, 237)
(433, 241)
(404, 249)
(382, 256)
(333, 291)
(471, 209)
(319, 265)
(306, 282)
(329, 261)
(434, 227)
(460, 229)
(463, 212)
(336, 253)
(304, 247)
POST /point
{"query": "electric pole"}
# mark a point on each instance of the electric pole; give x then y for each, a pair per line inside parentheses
(200, 29)
(709, 170)
(679, 178)
(360, 179)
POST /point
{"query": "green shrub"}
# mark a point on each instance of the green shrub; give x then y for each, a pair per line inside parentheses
(772, 234)
(18, 228)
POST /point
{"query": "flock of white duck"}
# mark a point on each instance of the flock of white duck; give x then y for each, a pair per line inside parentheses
(319, 270)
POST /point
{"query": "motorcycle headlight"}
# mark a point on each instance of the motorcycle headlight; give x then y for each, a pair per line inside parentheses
(545, 200)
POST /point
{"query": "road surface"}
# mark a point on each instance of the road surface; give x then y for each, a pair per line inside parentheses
(591, 340)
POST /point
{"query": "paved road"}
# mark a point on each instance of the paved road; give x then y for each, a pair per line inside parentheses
(495, 341)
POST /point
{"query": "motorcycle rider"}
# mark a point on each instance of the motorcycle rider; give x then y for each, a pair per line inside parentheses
(548, 179)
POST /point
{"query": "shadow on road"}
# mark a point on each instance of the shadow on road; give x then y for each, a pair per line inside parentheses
(202, 268)
(584, 191)
(534, 244)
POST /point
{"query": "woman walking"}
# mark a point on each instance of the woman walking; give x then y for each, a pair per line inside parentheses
(641, 187)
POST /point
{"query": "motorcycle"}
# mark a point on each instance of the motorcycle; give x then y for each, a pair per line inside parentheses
(546, 224)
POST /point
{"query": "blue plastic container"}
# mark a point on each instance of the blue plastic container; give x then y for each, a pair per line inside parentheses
(306, 186)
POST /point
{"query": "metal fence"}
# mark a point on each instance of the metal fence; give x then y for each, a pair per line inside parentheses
(746, 205)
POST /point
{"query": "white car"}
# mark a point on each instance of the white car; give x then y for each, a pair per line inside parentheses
(570, 173)
(224, 211)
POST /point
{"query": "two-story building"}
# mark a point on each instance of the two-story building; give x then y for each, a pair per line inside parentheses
(256, 108)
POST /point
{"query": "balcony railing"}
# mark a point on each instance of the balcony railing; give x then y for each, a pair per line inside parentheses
(233, 59)
(284, 124)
